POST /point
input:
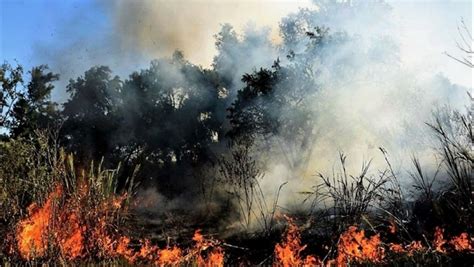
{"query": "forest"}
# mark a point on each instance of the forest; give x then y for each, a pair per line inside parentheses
(250, 161)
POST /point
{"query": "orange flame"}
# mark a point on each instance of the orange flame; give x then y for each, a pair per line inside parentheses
(63, 222)
(354, 246)
(392, 227)
(461, 242)
(215, 258)
(169, 256)
(71, 240)
(413, 247)
(32, 233)
(288, 252)
(439, 240)
(63, 225)
(60, 225)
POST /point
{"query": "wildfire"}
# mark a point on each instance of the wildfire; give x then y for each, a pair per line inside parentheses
(354, 246)
(33, 231)
(69, 224)
(461, 242)
(63, 222)
(215, 258)
(413, 247)
(288, 252)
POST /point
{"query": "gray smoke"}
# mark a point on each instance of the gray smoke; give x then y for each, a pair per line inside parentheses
(377, 88)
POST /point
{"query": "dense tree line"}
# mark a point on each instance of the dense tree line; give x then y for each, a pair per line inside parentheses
(184, 127)
(174, 117)
(170, 118)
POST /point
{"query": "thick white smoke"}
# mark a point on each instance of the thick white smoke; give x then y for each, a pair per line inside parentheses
(158, 27)
(378, 90)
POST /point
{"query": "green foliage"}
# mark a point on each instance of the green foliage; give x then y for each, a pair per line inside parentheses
(11, 79)
(28, 171)
(89, 114)
(27, 108)
(34, 108)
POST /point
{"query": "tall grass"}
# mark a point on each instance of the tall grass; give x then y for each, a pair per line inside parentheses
(34, 168)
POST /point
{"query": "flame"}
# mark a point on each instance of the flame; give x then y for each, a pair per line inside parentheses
(71, 240)
(461, 242)
(439, 240)
(62, 223)
(354, 246)
(32, 233)
(215, 258)
(75, 228)
(288, 252)
(169, 256)
(392, 227)
(65, 227)
(397, 248)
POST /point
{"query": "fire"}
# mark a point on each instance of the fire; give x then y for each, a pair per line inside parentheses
(355, 246)
(69, 224)
(439, 240)
(124, 251)
(288, 252)
(413, 247)
(62, 224)
(205, 253)
(64, 221)
(215, 258)
(461, 242)
(32, 232)
(169, 256)
(392, 227)
(71, 239)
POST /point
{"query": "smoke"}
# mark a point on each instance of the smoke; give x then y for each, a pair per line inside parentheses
(373, 94)
(378, 85)
(157, 28)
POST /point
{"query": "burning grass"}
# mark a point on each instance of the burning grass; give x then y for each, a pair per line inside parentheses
(62, 214)
(61, 227)
(355, 247)
(83, 223)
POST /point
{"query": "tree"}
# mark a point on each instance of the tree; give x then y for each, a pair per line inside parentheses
(11, 85)
(89, 113)
(34, 108)
(465, 46)
(169, 120)
(23, 108)
(275, 105)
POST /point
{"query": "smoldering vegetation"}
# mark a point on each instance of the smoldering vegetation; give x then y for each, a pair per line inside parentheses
(268, 129)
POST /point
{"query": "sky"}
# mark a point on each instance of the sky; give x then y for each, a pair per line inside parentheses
(73, 35)
(27, 25)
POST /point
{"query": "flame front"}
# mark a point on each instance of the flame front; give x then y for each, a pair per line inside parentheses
(32, 233)
(354, 246)
(72, 226)
(288, 252)
(63, 222)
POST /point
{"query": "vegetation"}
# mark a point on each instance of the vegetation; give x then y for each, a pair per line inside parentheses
(70, 173)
